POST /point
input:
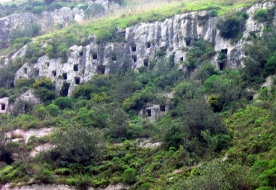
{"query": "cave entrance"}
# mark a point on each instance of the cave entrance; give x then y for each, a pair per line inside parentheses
(224, 51)
(94, 56)
(25, 70)
(148, 44)
(188, 41)
(64, 90)
(64, 75)
(37, 72)
(146, 62)
(101, 69)
(77, 80)
(76, 67)
(81, 53)
(162, 108)
(134, 58)
(54, 73)
(114, 57)
(148, 112)
(181, 59)
(3, 107)
(221, 65)
(47, 64)
(133, 47)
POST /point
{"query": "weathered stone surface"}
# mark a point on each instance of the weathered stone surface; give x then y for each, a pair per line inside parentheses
(46, 21)
(141, 43)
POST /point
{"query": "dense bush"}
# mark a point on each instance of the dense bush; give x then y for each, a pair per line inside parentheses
(44, 89)
(64, 102)
(78, 145)
(231, 26)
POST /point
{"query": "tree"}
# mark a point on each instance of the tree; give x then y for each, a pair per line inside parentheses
(79, 145)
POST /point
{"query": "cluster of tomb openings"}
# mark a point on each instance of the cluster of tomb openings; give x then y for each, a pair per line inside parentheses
(25, 70)
(162, 108)
(76, 67)
(3, 107)
(148, 44)
(77, 80)
(146, 62)
(148, 112)
(54, 73)
(64, 75)
(134, 58)
(133, 47)
(101, 69)
(64, 90)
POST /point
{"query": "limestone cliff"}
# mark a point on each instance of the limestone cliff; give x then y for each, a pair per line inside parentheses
(140, 45)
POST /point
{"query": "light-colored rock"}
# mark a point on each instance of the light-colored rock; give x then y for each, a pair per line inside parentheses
(154, 111)
(28, 133)
(141, 43)
(41, 148)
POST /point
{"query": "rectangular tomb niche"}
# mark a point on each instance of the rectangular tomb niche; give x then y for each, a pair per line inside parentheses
(93, 55)
(146, 62)
(3, 107)
(25, 70)
(133, 47)
(162, 108)
(36, 72)
(114, 57)
(148, 44)
(77, 80)
(81, 53)
(134, 58)
(148, 112)
(47, 64)
(64, 75)
(54, 73)
(65, 89)
(181, 59)
(76, 67)
(101, 69)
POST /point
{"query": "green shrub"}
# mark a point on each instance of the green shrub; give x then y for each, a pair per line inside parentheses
(64, 102)
(213, 13)
(231, 26)
(129, 176)
(62, 171)
(38, 9)
(53, 110)
(261, 15)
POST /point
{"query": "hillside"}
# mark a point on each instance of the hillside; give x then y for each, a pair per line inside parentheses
(138, 95)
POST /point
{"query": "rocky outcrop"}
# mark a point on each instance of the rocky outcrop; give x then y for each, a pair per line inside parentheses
(46, 21)
(141, 43)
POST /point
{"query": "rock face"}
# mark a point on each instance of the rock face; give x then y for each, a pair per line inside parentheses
(142, 41)
(46, 21)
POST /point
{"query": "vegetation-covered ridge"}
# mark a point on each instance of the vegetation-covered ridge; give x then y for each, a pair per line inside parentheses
(219, 132)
